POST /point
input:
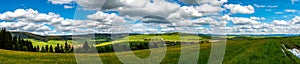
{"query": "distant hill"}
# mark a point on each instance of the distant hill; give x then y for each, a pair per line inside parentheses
(39, 37)
(108, 36)
(60, 37)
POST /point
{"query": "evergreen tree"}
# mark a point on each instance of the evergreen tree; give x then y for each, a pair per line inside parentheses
(57, 49)
(47, 48)
(61, 49)
(86, 46)
(1, 39)
(51, 49)
(43, 49)
(13, 43)
(37, 48)
(66, 46)
(72, 49)
(34, 49)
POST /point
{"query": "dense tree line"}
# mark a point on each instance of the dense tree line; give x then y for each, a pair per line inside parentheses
(58, 49)
(7, 41)
(14, 43)
(140, 45)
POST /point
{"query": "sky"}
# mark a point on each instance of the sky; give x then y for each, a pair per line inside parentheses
(67, 17)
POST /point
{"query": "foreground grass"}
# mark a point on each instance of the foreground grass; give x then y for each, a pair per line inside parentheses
(259, 51)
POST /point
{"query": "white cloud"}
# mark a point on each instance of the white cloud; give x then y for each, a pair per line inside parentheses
(61, 1)
(279, 13)
(290, 10)
(257, 18)
(296, 20)
(280, 22)
(264, 6)
(30, 20)
(106, 18)
(205, 21)
(237, 8)
(158, 8)
(243, 21)
(152, 14)
(212, 2)
(68, 7)
(110, 4)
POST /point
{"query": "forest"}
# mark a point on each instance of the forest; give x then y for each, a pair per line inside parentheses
(10, 42)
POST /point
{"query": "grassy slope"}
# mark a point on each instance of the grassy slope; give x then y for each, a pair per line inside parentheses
(173, 37)
(261, 51)
(50, 42)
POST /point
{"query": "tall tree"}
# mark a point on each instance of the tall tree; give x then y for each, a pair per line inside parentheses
(86, 46)
(66, 46)
(61, 49)
(51, 49)
(7, 41)
(47, 48)
(37, 48)
(57, 49)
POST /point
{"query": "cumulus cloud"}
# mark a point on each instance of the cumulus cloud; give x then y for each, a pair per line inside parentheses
(167, 16)
(110, 4)
(155, 19)
(30, 20)
(158, 8)
(237, 8)
(187, 12)
(243, 21)
(105, 17)
(296, 20)
(28, 15)
(280, 22)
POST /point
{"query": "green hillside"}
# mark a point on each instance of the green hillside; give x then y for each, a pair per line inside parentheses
(246, 51)
(50, 42)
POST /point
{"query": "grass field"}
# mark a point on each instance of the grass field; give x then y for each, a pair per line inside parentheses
(255, 51)
(50, 42)
(173, 37)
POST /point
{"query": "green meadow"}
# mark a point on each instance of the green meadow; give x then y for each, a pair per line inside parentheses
(254, 50)
(50, 42)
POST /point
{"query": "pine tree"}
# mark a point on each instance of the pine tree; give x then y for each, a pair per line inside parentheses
(86, 46)
(34, 49)
(47, 48)
(7, 41)
(61, 49)
(57, 49)
(1, 39)
(72, 49)
(43, 49)
(37, 48)
(66, 46)
(51, 49)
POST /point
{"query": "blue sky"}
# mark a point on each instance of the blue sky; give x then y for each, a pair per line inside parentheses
(42, 6)
(265, 11)
(270, 15)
